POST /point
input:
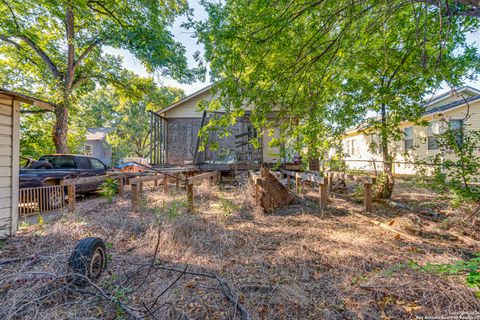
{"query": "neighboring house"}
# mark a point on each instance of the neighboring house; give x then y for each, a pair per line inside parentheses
(419, 141)
(175, 136)
(97, 146)
(9, 156)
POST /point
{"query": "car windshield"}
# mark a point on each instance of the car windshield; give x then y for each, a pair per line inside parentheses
(63, 162)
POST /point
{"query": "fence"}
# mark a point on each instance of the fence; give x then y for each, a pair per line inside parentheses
(42, 199)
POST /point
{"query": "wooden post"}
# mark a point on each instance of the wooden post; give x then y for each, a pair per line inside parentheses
(190, 197)
(297, 183)
(257, 194)
(121, 186)
(330, 181)
(71, 196)
(135, 196)
(288, 182)
(323, 195)
(165, 184)
(141, 186)
(368, 197)
(156, 182)
(177, 181)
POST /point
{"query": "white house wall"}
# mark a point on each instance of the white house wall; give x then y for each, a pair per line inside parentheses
(9, 167)
(362, 157)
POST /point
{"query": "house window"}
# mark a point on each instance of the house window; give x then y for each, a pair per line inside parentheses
(349, 147)
(432, 130)
(375, 145)
(87, 150)
(408, 138)
(457, 126)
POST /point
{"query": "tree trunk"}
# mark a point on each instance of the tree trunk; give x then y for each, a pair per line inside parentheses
(385, 186)
(61, 128)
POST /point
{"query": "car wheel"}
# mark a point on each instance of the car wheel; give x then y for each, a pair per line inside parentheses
(89, 259)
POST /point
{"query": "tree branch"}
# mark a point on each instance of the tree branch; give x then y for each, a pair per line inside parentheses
(53, 68)
(18, 46)
(472, 7)
(70, 27)
(84, 54)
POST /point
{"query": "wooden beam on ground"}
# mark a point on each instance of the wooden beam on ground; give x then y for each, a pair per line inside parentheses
(138, 180)
(352, 177)
(303, 176)
(86, 180)
(202, 176)
(116, 174)
(387, 227)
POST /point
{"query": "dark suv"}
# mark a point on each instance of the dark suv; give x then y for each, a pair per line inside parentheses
(51, 169)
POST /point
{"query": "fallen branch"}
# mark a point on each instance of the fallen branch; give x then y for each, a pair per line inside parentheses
(38, 275)
(387, 227)
(15, 260)
(224, 287)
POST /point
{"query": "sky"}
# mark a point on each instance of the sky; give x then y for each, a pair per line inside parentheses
(185, 37)
(181, 35)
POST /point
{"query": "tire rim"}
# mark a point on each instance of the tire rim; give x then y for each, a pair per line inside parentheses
(97, 263)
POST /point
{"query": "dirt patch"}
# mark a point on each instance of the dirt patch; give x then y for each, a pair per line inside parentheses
(297, 263)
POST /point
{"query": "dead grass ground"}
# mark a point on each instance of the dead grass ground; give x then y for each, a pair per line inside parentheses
(298, 263)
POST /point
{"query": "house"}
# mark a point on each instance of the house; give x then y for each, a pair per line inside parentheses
(97, 146)
(418, 141)
(175, 136)
(9, 156)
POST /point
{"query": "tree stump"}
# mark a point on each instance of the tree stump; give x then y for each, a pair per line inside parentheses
(270, 193)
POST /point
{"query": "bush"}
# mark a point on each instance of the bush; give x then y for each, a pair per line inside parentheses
(108, 189)
(469, 268)
(457, 164)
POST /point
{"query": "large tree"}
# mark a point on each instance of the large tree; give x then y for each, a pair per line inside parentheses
(327, 65)
(57, 47)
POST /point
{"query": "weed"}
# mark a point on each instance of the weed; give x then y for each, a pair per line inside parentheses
(469, 268)
(24, 224)
(171, 210)
(40, 222)
(108, 189)
(229, 207)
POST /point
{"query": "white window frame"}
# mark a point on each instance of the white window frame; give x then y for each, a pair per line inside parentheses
(434, 128)
(85, 148)
(408, 143)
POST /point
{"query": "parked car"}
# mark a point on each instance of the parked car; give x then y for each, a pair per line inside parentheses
(50, 170)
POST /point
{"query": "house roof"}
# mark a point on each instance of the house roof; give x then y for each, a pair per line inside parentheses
(28, 99)
(451, 105)
(97, 134)
(432, 110)
(179, 102)
(439, 97)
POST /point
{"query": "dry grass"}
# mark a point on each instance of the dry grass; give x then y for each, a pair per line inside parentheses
(295, 264)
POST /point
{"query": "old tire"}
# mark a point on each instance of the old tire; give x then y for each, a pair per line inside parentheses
(89, 258)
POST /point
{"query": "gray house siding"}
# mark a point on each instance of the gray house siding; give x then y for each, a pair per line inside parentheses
(101, 150)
